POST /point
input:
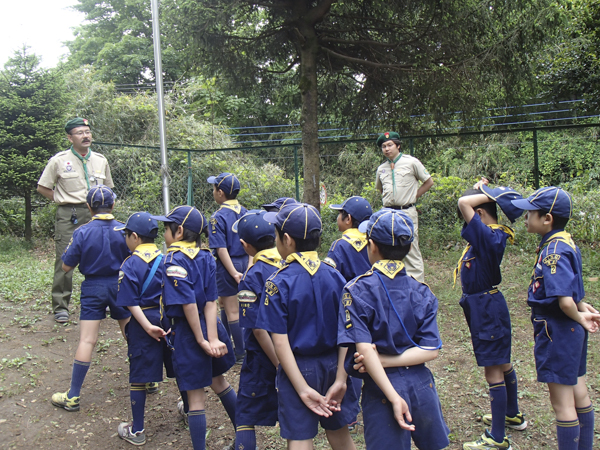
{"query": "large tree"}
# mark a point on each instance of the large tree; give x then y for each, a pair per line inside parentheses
(31, 125)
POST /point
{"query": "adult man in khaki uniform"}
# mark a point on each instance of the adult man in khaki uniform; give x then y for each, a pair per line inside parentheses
(398, 181)
(66, 180)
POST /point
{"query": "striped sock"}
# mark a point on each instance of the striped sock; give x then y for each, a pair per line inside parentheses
(498, 403)
(197, 423)
(237, 333)
(137, 395)
(586, 427)
(512, 394)
(80, 370)
(245, 437)
(567, 434)
(228, 398)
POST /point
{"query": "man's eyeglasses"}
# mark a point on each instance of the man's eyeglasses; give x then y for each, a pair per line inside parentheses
(82, 133)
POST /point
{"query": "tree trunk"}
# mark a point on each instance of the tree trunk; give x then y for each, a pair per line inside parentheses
(28, 216)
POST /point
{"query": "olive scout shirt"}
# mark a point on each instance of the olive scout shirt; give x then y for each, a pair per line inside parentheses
(408, 170)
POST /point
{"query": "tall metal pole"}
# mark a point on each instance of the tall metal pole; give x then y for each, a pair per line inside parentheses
(164, 164)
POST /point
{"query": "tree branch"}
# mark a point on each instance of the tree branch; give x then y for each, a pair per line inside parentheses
(287, 69)
(317, 13)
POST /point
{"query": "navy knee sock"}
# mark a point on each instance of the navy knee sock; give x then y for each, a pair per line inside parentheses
(586, 427)
(228, 398)
(225, 322)
(237, 333)
(137, 395)
(245, 437)
(567, 434)
(498, 403)
(80, 370)
(197, 423)
(512, 399)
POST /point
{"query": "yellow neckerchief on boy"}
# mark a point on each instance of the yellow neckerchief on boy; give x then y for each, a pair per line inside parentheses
(84, 160)
(188, 248)
(103, 217)
(493, 226)
(309, 260)
(234, 205)
(389, 267)
(270, 256)
(560, 236)
(147, 252)
(355, 238)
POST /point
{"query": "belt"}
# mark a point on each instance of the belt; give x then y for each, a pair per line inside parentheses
(493, 290)
(401, 207)
(72, 205)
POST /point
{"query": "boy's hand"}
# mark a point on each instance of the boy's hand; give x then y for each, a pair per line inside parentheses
(400, 411)
(335, 394)
(483, 181)
(219, 348)
(238, 277)
(205, 345)
(590, 321)
(156, 332)
(315, 402)
(358, 361)
(586, 307)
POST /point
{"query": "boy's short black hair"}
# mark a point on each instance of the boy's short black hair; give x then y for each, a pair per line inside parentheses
(355, 223)
(188, 235)
(489, 207)
(558, 223)
(102, 210)
(394, 252)
(310, 244)
(228, 196)
(145, 239)
(264, 243)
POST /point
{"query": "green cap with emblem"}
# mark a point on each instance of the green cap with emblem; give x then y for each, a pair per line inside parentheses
(388, 135)
(76, 122)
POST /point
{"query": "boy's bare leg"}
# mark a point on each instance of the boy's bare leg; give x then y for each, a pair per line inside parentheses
(300, 445)
(340, 439)
(122, 323)
(495, 374)
(582, 398)
(88, 336)
(232, 310)
(562, 398)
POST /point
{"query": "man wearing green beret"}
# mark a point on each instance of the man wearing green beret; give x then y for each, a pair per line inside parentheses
(398, 182)
(66, 180)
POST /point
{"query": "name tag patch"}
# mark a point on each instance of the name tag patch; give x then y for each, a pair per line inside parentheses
(246, 296)
(177, 272)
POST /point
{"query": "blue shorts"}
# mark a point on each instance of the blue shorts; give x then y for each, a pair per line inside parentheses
(560, 349)
(194, 369)
(147, 355)
(96, 294)
(257, 396)
(226, 284)
(297, 422)
(489, 321)
(416, 386)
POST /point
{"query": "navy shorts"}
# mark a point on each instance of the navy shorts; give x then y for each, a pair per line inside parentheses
(416, 386)
(257, 395)
(96, 294)
(226, 284)
(560, 349)
(147, 356)
(194, 369)
(489, 321)
(297, 422)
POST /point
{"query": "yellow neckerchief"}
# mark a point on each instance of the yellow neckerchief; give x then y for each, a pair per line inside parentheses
(147, 252)
(84, 160)
(560, 236)
(103, 217)
(234, 205)
(270, 256)
(493, 226)
(389, 267)
(309, 260)
(355, 238)
(188, 248)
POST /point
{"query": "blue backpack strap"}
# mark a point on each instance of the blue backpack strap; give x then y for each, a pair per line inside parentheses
(157, 261)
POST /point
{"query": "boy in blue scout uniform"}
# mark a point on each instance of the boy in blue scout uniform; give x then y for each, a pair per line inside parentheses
(278, 204)
(140, 288)
(561, 319)
(232, 260)
(299, 304)
(485, 308)
(257, 396)
(390, 318)
(99, 251)
(202, 350)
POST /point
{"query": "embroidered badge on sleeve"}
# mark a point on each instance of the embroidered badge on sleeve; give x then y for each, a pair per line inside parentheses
(246, 296)
(177, 272)
(551, 261)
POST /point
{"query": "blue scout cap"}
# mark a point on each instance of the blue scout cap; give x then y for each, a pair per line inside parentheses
(551, 199)
(251, 227)
(187, 216)
(141, 223)
(359, 208)
(76, 122)
(227, 182)
(297, 220)
(388, 135)
(100, 196)
(504, 196)
(389, 227)
(279, 203)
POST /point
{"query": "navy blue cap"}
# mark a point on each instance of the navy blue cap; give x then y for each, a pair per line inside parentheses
(359, 208)
(100, 196)
(187, 216)
(141, 223)
(504, 196)
(389, 227)
(550, 199)
(251, 227)
(297, 220)
(226, 181)
(279, 203)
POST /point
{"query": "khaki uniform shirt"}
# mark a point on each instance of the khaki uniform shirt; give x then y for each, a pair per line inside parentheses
(408, 171)
(65, 174)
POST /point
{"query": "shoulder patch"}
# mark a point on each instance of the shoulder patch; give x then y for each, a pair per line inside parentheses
(551, 261)
(270, 288)
(347, 299)
(330, 262)
(246, 296)
(177, 272)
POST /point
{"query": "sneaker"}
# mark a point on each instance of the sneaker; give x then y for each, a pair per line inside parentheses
(516, 423)
(181, 412)
(62, 400)
(152, 388)
(137, 438)
(353, 428)
(61, 317)
(486, 442)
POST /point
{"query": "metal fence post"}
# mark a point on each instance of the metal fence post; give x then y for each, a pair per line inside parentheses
(411, 145)
(296, 175)
(190, 192)
(536, 166)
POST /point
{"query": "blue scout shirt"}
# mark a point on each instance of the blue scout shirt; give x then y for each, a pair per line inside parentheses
(302, 300)
(133, 274)
(188, 277)
(97, 247)
(368, 317)
(343, 254)
(251, 288)
(220, 234)
(479, 265)
(557, 272)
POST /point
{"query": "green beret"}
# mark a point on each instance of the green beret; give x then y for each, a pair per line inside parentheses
(76, 122)
(388, 135)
